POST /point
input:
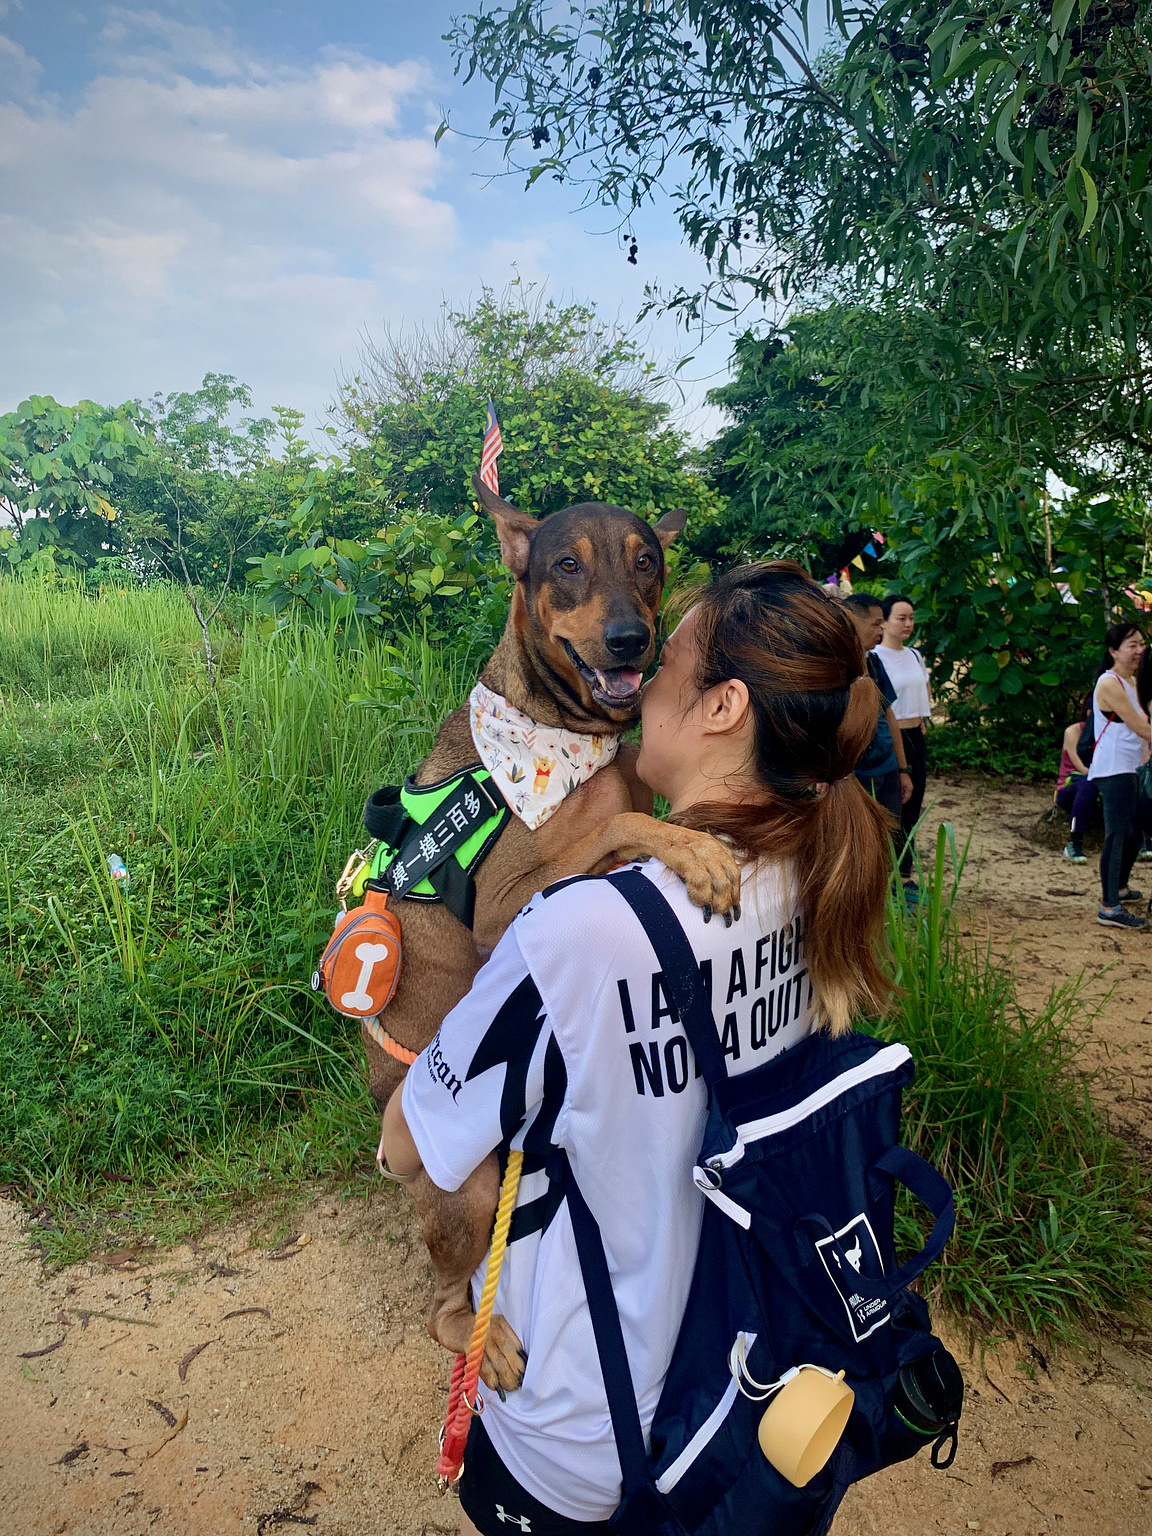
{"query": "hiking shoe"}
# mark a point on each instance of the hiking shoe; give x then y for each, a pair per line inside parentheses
(1145, 851)
(911, 896)
(1076, 855)
(1130, 894)
(1116, 917)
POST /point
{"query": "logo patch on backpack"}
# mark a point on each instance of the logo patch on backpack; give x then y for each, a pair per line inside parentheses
(857, 1239)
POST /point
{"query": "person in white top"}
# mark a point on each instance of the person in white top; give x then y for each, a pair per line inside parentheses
(568, 1039)
(1121, 735)
(912, 707)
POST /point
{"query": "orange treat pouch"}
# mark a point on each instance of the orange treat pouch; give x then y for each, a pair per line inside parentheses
(360, 966)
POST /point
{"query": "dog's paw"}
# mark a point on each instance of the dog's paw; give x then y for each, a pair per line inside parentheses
(707, 867)
(504, 1359)
(502, 1369)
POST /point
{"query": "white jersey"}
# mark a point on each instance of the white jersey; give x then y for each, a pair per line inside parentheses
(909, 677)
(1117, 747)
(568, 1039)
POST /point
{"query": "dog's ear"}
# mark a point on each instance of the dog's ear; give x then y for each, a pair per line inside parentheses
(669, 526)
(513, 528)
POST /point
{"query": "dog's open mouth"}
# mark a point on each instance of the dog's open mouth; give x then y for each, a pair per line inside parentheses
(614, 687)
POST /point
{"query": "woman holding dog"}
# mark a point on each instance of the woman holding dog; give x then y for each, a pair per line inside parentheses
(751, 730)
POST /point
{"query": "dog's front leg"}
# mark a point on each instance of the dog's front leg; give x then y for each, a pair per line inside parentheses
(707, 866)
(456, 1228)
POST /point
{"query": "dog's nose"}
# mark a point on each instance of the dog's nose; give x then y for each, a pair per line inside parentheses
(627, 639)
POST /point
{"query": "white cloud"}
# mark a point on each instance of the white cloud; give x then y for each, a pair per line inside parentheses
(144, 42)
(197, 207)
(19, 72)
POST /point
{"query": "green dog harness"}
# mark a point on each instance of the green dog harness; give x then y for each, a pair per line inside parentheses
(433, 837)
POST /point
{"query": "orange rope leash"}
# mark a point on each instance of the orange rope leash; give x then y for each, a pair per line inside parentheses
(462, 1399)
(386, 1043)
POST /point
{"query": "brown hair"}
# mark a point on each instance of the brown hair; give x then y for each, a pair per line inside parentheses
(815, 710)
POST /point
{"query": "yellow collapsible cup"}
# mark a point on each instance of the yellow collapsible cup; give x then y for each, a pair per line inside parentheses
(803, 1423)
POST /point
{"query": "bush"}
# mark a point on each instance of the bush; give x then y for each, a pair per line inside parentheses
(971, 743)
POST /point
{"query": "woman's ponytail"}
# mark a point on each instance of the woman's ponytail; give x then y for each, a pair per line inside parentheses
(843, 868)
(815, 710)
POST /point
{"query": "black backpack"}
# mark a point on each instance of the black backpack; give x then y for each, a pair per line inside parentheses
(796, 1266)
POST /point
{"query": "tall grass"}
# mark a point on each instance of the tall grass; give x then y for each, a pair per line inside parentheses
(1052, 1212)
(139, 1026)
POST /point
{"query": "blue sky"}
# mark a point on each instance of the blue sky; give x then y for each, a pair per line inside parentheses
(250, 188)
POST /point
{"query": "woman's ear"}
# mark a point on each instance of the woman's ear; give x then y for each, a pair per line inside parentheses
(726, 708)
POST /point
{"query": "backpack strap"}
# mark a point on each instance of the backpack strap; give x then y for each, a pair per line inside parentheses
(642, 1508)
(610, 1348)
(680, 967)
(930, 1188)
(642, 1511)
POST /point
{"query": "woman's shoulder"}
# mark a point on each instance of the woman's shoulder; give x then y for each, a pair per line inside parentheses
(577, 919)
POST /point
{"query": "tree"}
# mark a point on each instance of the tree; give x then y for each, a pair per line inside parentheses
(581, 419)
(578, 404)
(58, 468)
(205, 492)
(874, 418)
(988, 164)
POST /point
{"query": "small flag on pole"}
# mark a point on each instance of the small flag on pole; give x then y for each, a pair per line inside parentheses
(492, 448)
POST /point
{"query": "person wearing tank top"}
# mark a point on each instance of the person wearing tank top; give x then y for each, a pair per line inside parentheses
(1122, 733)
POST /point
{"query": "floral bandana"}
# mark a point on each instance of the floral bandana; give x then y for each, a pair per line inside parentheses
(535, 766)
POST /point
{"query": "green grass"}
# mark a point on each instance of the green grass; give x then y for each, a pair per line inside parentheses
(162, 1054)
(170, 1034)
(1052, 1227)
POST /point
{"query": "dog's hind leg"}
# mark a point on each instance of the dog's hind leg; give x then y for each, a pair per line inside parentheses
(456, 1230)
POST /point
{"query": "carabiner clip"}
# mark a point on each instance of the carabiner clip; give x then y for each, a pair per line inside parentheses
(358, 861)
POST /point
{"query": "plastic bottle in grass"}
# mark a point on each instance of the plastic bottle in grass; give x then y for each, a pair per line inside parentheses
(119, 871)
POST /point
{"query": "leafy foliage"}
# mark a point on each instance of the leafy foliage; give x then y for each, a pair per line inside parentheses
(576, 399)
(579, 421)
(878, 417)
(59, 465)
(991, 165)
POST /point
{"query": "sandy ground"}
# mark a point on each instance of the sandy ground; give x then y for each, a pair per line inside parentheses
(227, 1387)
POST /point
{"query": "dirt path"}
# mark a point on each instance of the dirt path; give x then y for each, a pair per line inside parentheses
(316, 1397)
(1030, 902)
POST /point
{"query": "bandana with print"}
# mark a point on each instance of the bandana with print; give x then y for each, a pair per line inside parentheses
(535, 766)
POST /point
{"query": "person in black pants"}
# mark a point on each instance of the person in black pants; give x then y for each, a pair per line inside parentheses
(911, 707)
(1121, 734)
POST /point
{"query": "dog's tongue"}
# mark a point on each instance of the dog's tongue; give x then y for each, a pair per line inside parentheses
(620, 683)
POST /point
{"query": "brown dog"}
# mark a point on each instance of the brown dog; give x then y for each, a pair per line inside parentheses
(580, 632)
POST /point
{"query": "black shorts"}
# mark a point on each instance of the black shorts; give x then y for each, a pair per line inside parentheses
(497, 1505)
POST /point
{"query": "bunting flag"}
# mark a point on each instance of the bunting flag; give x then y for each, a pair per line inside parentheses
(491, 450)
(858, 560)
(870, 550)
(879, 537)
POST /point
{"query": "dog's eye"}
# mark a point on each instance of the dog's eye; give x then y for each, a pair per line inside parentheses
(569, 566)
(643, 562)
